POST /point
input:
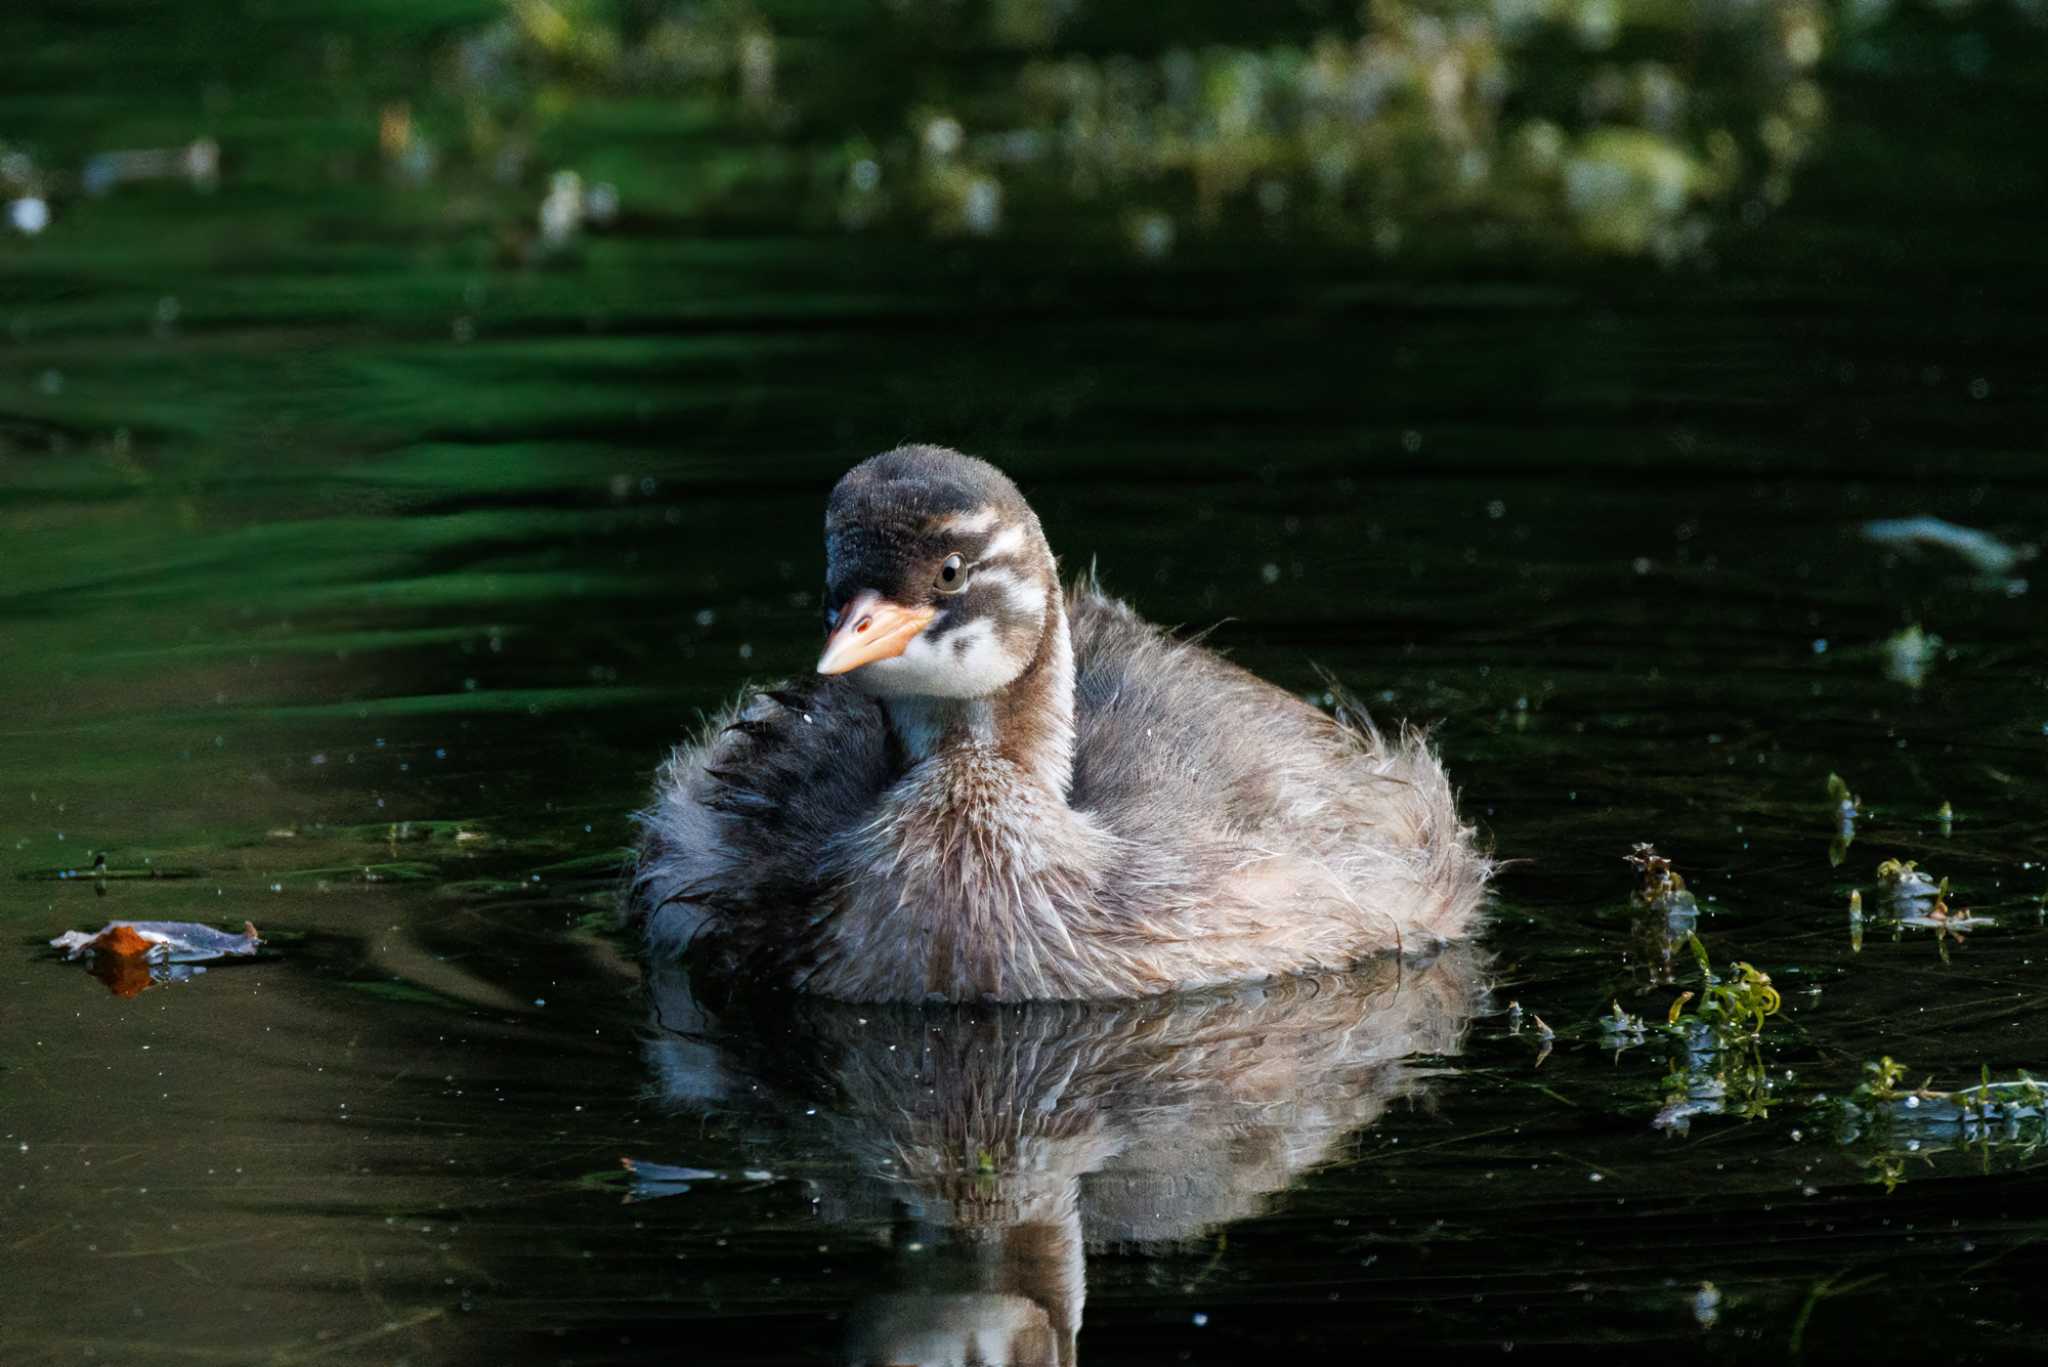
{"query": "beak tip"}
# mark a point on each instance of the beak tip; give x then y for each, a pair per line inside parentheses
(871, 630)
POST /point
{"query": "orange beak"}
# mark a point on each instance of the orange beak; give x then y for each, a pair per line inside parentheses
(871, 628)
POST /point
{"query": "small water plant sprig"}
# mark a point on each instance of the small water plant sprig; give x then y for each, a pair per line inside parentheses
(1660, 885)
(2020, 1098)
(1663, 912)
(1900, 1119)
(1915, 899)
(1719, 1067)
(1728, 1005)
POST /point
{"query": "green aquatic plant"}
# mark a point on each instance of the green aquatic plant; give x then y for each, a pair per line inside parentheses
(1718, 1068)
(1891, 1119)
(1739, 1002)
(2021, 1096)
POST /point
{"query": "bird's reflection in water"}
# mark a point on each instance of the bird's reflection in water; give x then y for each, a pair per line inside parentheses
(1003, 1142)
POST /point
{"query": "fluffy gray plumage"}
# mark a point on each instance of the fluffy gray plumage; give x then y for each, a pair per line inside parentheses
(1129, 814)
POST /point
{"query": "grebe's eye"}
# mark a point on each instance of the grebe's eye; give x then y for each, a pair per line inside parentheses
(952, 575)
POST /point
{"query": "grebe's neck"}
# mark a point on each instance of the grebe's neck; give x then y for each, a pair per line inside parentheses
(1030, 722)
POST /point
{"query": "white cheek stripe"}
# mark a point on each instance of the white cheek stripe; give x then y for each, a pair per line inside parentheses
(969, 524)
(1023, 598)
(1008, 541)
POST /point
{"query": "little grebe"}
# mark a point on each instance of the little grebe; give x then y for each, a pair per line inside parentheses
(995, 790)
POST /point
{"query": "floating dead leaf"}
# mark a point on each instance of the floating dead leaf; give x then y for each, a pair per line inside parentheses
(125, 975)
(132, 956)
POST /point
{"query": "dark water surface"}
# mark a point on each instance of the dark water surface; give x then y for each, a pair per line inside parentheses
(355, 580)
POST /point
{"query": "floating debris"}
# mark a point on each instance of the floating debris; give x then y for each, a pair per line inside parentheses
(1939, 914)
(1912, 898)
(167, 941)
(1703, 1094)
(1668, 913)
(1985, 553)
(652, 1181)
(132, 956)
(1904, 884)
(1545, 1036)
(1660, 887)
(1846, 807)
(1909, 654)
(1947, 923)
(1623, 1030)
(101, 872)
(1847, 804)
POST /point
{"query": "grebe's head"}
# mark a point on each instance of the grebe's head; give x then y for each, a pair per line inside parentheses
(938, 581)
